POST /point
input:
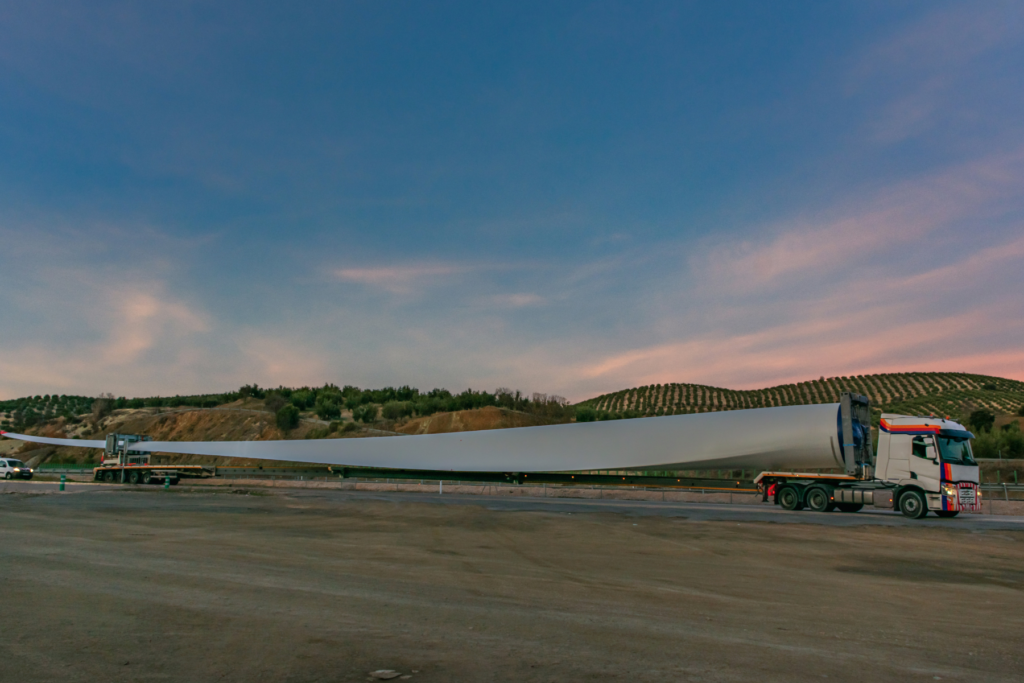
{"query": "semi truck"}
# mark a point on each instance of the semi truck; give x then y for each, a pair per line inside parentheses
(921, 464)
(819, 457)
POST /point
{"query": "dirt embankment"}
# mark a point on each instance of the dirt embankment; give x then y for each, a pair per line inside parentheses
(471, 421)
(175, 425)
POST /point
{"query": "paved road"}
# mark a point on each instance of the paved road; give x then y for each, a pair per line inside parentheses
(200, 498)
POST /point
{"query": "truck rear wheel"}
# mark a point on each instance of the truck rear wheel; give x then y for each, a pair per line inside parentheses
(947, 513)
(849, 507)
(135, 477)
(913, 505)
(819, 499)
(108, 476)
(789, 498)
(147, 477)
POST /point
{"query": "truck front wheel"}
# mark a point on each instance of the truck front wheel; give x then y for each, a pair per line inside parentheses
(789, 498)
(913, 505)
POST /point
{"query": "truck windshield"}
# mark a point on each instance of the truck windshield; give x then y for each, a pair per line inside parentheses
(957, 451)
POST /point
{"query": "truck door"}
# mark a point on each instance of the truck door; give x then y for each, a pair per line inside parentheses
(898, 465)
(924, 462)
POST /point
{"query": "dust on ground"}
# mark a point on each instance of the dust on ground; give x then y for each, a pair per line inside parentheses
(114, 584)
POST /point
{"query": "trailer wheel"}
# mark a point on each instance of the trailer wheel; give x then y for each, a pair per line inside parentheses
(947, 513)
(789, 498)
(849, 507)
(108, 476)
(819, 499)
(134, 478)
(147, 477)
(913, 505)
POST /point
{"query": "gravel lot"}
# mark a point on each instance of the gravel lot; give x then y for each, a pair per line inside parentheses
(108, 583)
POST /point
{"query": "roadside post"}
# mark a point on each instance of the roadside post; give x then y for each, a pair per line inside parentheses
(63, 478)
(167, 483)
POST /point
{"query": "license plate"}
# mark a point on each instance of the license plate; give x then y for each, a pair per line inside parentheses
(967, 496)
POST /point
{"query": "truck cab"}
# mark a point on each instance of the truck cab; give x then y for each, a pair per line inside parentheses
(929, 461)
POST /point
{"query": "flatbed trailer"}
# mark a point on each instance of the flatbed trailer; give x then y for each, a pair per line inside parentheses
(149, 474)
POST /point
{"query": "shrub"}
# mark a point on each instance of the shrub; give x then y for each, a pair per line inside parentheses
(394, 410)
(252, 390)
(327, 409)
(585, 414)
(302, 399)
(982, 420)
(318, 433)
(102, 406)
(274, 402)
(136, 403)
(366, 413)
(288, 418)
(349, 427)
(1020, 411)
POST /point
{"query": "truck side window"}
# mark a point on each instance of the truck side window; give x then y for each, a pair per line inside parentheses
(920, 447)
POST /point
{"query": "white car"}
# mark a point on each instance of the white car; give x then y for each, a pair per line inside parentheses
(14, 469)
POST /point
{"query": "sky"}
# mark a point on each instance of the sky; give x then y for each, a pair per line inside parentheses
(570, 198)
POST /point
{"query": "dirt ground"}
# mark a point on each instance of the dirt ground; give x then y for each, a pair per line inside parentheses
(198, 585)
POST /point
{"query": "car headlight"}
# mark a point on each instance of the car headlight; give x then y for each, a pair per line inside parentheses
(949, 490)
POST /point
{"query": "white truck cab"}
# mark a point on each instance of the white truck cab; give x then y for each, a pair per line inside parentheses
(931, 456)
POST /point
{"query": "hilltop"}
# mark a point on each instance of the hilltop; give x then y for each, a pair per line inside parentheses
(911, 393)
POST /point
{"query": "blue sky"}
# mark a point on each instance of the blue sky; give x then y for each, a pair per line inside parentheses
(564, 197)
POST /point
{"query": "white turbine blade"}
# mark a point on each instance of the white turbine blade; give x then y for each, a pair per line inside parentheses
(76, 443)
(766, 438)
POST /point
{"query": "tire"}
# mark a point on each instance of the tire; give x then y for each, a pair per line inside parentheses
(819, 499)
(7, 476)
(913, 504)
(108, 476)
(147, 477)
(135, 477)
(947, 513)
(789, 498)
(849, 507)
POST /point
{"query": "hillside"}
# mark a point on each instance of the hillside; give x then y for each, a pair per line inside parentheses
(913, 393)
(470, 421)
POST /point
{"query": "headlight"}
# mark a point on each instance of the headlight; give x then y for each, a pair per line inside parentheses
(949, 490)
